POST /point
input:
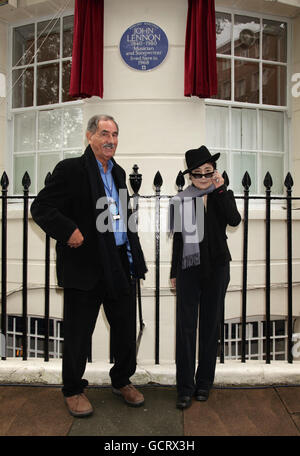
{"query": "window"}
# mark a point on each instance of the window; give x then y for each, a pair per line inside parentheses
(46, 121)
(36, 337)
(255, 340)
(247, 120)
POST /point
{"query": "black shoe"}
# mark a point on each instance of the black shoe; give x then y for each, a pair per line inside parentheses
(183, 402)
(201, 395)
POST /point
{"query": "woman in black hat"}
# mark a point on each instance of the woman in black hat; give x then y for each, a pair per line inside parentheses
(200, 270)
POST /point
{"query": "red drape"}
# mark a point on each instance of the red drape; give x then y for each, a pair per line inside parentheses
(87, 55)
(200, 77)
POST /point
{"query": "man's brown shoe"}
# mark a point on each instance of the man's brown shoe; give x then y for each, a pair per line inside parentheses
(79, 405)
(131, 395)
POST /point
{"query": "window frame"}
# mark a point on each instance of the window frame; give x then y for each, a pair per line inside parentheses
(34, 337)
(11, 112)
(235, 342)
(259, 107)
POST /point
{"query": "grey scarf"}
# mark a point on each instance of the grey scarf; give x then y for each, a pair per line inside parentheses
(186, 215)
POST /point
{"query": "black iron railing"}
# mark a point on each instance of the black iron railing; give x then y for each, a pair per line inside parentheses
(135, 182)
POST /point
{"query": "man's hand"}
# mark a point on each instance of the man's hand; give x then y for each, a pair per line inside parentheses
(76, 239)
(173, 282)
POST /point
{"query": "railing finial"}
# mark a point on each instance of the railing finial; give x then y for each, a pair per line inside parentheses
(246, 181)
(158, 181)
(226, 178)
(4, 181)
(180, 181)
(288, 182)
(47, 178)
(268, 181)
(135, 179)
(26, 181)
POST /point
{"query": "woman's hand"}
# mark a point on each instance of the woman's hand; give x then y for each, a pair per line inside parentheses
(217, 179)
(173, 283)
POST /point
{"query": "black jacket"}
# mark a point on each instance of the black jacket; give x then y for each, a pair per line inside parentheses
(221, 211)
(67, 202)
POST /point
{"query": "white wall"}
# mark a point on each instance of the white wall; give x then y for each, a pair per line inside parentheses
(296, 108)
(157, 125)
(3, 70)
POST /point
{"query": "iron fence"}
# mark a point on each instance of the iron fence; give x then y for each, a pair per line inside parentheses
(135, 179)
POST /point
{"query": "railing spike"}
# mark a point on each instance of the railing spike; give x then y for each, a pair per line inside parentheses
(226, 178)
(158, 181)
(135, 179)
(180, 181)
(288, 182)
(4, 181)
(268, 182)
(246, 181)
(47, 178)
(26, 181)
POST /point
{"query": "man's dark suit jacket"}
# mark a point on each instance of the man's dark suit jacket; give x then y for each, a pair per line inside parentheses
(221, 211)
(68, 201)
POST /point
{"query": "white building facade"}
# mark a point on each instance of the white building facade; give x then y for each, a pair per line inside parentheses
(253, 121)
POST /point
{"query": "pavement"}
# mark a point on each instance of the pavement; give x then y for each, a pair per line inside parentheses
(38, 410)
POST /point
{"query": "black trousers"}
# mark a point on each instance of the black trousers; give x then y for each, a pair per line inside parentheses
(81, 310)
(192, 296)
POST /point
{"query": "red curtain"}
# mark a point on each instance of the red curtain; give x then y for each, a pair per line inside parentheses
(87, 56)
(200, 77)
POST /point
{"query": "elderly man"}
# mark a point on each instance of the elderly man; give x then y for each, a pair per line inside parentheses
(94, 265)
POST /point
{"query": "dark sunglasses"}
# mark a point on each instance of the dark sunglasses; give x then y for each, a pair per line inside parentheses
(199, 175)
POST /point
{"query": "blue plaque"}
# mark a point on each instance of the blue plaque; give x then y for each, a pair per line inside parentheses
(144, 46)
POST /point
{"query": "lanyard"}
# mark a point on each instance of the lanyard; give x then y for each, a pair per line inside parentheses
(113, 207)
(106, 184)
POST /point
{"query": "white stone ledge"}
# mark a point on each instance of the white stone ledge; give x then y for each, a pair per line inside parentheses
(17, 371)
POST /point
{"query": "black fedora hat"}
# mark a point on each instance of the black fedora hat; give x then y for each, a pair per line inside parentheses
(197, 157)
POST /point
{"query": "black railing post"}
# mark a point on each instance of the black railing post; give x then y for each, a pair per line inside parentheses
(47, 297)
(157, 184)
(4, 185)
(26, 184)
(246, 182)
(135, 180)
(268, 184)
(289, 184)
(180, 181)
(111, 357)
(47, 289)
(222, 321)
(89, 357)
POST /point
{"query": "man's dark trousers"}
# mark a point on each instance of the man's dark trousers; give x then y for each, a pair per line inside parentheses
(207, 296)
(81, 310)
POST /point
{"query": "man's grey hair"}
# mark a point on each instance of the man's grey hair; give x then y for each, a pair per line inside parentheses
(92, 125)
